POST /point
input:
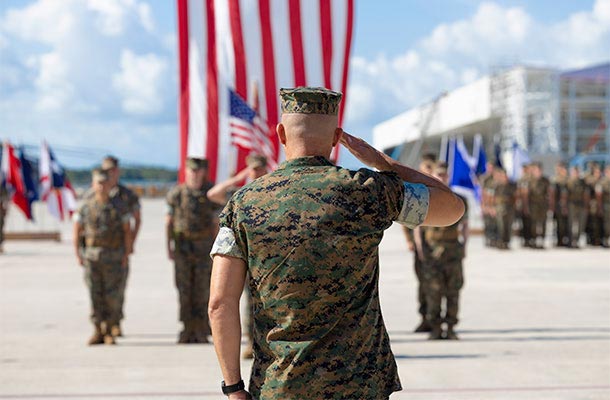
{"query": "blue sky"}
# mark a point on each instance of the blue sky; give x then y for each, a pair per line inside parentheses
(99, 76)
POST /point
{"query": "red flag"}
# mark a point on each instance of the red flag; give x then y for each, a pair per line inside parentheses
(12, 171)
(229, 45)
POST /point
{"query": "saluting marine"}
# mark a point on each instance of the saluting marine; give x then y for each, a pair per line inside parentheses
(308, 236)
(191, 226)
(104, 224)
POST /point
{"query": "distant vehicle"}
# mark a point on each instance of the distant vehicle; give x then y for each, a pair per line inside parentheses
(582, 160)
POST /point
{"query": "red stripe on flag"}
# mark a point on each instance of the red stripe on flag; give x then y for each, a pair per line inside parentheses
(241, 70)
(241, 78)
(271, 95)
(212, 92)
(348, 45)
(296, 40)
(183, 102)
(326, 29)
(60, 203)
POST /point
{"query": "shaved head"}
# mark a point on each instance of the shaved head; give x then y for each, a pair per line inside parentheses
(312, 133)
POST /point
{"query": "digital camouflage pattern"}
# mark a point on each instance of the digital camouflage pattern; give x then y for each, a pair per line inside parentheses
(195, 225)
(538, 203)
(442, 268)
(309, 233)
(603, 187)
(131, 202)
(4, 199)
(561, 210)
(504, 204)
(577, 208)
(102, 223)
(310, 100)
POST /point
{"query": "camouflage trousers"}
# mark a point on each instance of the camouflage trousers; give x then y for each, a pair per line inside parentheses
(562, 232)
(504, 224)
(490, 229)
(103, 276)
(193, 269)
(421, 293)
(122, 289)
(526, 227)
(606, 235)
(443, 281)
(2, 215)
(538, 221)
(594, 229)
(577, 218)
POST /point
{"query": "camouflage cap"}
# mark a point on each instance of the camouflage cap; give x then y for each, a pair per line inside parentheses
(99, 175)
(196, 163)
(256, 161)
(310, 100)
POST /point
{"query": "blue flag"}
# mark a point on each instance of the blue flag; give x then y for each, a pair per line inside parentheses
(479, 151)
(461, 175)
(29, 181)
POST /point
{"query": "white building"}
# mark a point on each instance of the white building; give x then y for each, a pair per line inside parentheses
(551, 114)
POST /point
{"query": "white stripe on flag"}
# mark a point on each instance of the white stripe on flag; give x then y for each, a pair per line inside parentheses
(197, 79)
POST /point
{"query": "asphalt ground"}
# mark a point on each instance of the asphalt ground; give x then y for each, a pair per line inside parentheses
(534, 324)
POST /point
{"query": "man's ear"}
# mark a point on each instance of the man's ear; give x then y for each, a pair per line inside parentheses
(337, 136)
(281, 133)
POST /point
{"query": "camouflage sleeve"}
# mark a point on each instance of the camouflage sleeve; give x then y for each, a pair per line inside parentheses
(172, 200)
(226, 245)
(134, 202)
(77, 217)
(415, 205)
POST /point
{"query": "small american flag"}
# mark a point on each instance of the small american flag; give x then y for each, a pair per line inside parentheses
(248, 130)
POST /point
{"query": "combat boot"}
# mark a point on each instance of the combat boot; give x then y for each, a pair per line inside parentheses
(423, 327)
(97, 337)
(185, 335)
(436, 333)
(116, 330)
(200, 334)
(107, 332)
(248, 354)
(450, 334)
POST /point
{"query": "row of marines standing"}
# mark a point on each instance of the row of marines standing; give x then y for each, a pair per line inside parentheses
(577, 203)
(107, 224)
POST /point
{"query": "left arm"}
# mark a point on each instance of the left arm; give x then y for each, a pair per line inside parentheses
(136, 227)
(127, 242)
(227, 284)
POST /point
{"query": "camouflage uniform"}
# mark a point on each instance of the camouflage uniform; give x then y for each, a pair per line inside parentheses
(603, 188)
(489, 221)
(442, 268)
(4, 198)
(538, 205)
(194, 224)
(594, 219)
(132, 202)
(102, 224)
(577, 208)
(309, 234)
(526, 219)
(504, 204)
(421, 287)
(561, 210)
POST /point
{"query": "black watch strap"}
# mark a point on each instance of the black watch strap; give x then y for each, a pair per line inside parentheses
(233, 388)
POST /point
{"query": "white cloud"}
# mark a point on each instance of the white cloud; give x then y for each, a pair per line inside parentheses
(457, 53)
(114, 15)
(140, 82)
(46, 21)
(55, 89)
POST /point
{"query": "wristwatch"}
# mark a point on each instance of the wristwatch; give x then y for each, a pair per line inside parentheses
(227, 390)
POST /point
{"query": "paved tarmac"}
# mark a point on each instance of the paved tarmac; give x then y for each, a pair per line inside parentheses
(534, 325)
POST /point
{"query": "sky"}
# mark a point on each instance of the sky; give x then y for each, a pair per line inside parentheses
(96, 77)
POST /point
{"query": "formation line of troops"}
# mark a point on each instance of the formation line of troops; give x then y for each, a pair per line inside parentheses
(576, 204)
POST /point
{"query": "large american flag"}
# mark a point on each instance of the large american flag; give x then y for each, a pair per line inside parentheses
(231, 45)
(248, 131)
